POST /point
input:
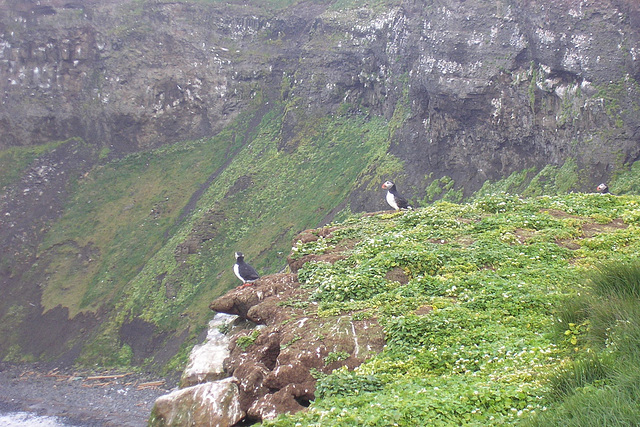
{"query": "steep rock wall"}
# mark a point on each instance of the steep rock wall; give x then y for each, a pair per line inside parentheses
(488, 87)
(123, 76)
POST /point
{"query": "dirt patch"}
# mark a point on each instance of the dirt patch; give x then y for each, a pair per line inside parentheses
(522, 234)
(141, 337)
(241, 184)
(425, 309)
(465, 241)
(296, 264)
(591, 229)
(49, 333)
(397, 275)
(27, 208)
(205, 229)
(307, 236)
(335, 254)
(568, 243)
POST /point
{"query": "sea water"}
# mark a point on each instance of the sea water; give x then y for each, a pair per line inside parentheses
(25, 419)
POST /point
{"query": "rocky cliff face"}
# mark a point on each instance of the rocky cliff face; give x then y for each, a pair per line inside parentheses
(123, 76)
(486, 87)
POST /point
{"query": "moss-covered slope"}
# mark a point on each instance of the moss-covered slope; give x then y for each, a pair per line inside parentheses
(146, 242)
(472, 333)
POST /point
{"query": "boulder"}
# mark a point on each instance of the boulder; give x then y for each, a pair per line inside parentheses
(211, 404)
(239, 300)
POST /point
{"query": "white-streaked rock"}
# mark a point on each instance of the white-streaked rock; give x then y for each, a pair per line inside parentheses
(214, 403)
(205, 360)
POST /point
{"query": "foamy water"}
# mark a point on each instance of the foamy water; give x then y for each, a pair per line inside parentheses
(25, 419)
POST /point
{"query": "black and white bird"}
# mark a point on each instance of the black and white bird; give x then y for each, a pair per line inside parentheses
(602, 188)
(244, 271)
(395, 200)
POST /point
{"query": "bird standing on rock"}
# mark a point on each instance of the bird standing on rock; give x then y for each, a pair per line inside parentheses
(244, 271)
(395, 200)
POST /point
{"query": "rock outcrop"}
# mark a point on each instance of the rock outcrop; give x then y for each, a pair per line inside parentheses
(206, 360)
(209, 404)
(273, 364)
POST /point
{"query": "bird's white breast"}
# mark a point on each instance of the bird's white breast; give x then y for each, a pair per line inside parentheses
(236, 270)
(392, 200)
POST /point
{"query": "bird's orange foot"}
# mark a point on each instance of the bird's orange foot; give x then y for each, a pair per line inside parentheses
(245, 285)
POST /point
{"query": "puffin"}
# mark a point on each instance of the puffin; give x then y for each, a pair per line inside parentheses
(395, 200)
(602, 188)
(244, 271)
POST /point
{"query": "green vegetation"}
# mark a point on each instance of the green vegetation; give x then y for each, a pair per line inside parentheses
(246, 340)
(497, 323)
(614, 96)
(494, 274)
(626, 180)
(534, 72)
(471, 338)
(345, 383)
(152, 235)
(600, 386)
(549, 180)
(335, 356)
(311, 180)
(443, 189)
(119, 215)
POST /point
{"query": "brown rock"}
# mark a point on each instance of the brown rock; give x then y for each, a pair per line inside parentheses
(238, 301)
(290, 399)
(296, 264)
(274, 371)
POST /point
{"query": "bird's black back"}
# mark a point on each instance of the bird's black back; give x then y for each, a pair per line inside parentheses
(246, 271)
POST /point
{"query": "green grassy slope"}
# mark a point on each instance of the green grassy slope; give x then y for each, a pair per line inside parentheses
(152, 236)
(473, 338)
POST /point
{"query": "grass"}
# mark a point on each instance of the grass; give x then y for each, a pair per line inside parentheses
(550, 180)
(133, 243)
(492, 269)
(118, 217)
(307, 186)
(617, 282)
(496, 272)
(602, 385)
